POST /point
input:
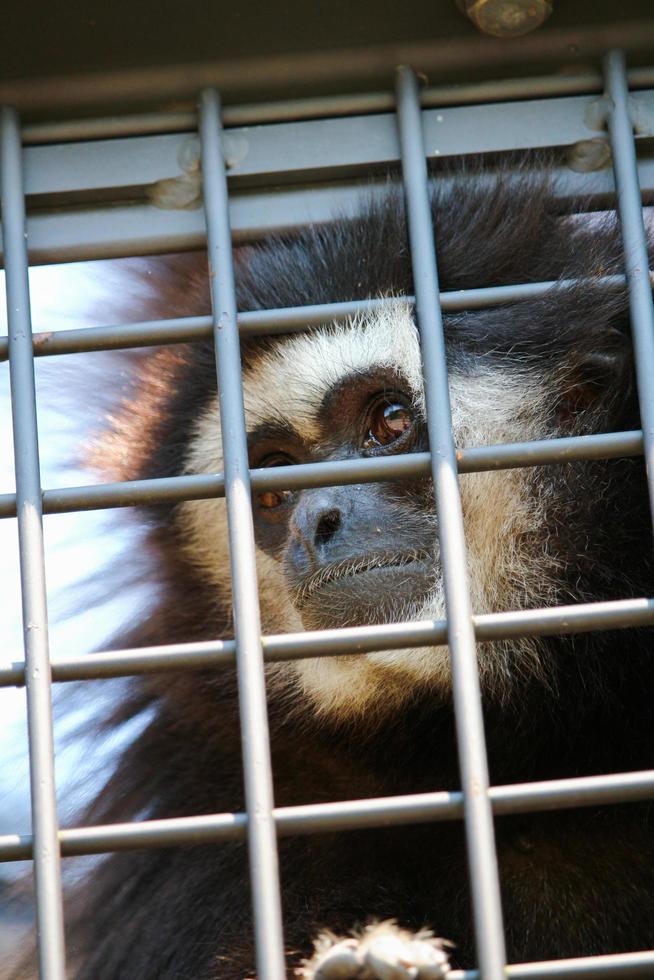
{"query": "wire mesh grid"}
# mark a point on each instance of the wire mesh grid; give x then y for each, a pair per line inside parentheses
(262, 822)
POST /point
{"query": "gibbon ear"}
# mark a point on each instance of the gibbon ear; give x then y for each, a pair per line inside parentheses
(597, 378)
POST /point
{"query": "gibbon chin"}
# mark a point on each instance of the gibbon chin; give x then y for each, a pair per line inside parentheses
(574, 883)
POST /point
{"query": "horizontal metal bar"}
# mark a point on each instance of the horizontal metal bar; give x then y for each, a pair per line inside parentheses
(389, 811)
(622, 965)
(298, 318)
(128, 124)
(611, 445)
(321, 107)
(540, 452)
(553, 621)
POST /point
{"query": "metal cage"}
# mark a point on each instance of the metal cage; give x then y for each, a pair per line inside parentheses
(321, 140)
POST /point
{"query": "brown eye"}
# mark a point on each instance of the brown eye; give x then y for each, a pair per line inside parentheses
(269, 499)
(388, 420)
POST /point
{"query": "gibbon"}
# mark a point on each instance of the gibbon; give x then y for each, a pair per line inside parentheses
(575, 882)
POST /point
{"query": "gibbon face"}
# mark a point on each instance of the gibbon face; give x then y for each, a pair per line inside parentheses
(356, 555)
(557, 364)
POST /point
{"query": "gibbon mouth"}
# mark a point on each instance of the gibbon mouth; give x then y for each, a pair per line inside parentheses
(351, 567)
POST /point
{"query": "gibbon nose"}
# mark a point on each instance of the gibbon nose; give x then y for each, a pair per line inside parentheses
(327, 526)
(315, 524)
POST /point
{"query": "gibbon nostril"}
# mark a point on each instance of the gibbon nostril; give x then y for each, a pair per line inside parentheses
(327, 526)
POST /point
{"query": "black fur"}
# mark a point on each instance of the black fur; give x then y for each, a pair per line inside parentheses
(575, 882)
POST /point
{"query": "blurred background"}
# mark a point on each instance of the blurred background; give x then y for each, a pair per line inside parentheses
(78, 548)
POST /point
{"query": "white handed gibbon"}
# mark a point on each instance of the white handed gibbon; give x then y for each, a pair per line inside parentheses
(574, 883)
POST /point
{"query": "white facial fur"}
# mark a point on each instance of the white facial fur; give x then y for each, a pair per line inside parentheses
(489, 406)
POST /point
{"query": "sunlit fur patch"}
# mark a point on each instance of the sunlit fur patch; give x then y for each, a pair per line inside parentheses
(502, 510)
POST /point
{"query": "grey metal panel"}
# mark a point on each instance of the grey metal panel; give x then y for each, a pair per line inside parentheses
(102, 231)
(282, 151)
(99, 164)
(96, 233)
(142, 229)
(47, 871)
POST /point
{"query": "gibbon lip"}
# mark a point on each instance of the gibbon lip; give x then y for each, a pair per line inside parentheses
(349, 567)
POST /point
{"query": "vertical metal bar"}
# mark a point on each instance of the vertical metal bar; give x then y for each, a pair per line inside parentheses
(264, 872)
(634, 241)
(465, 678)
(47, 870)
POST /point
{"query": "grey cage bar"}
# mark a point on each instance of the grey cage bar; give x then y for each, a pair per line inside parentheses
(478, 802)
(484, 874)
(47, 871)
(264, 872)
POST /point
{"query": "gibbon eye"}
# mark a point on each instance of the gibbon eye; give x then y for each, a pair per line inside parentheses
(389, 419)
(270, 499)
